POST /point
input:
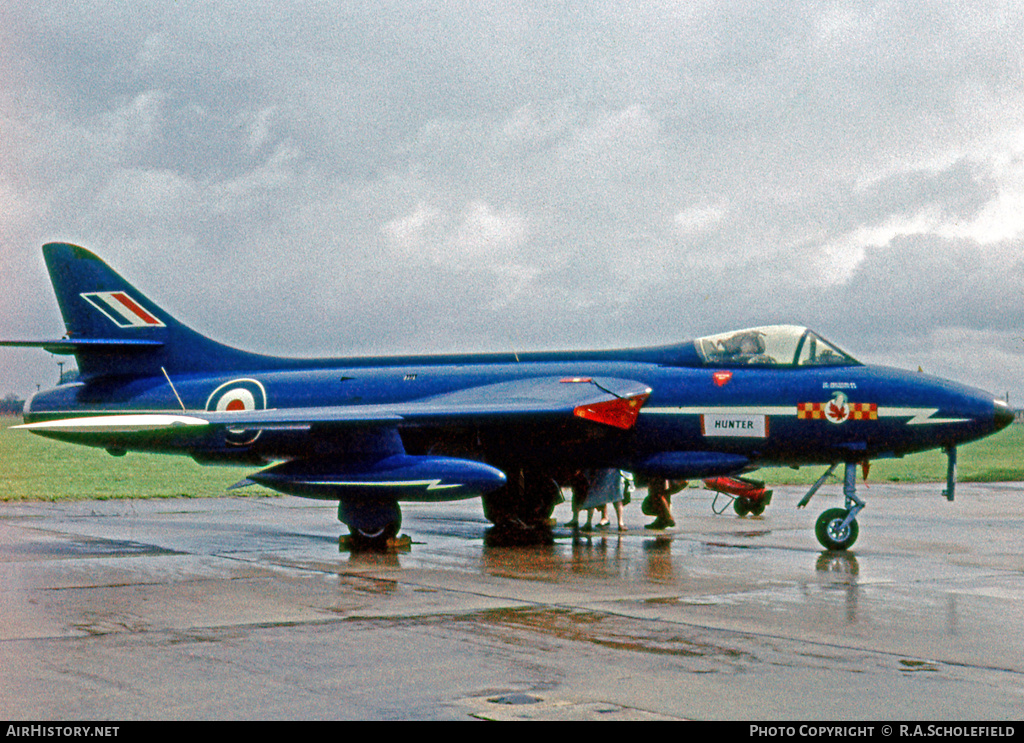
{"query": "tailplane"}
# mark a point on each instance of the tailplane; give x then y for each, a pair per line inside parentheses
(115, 330)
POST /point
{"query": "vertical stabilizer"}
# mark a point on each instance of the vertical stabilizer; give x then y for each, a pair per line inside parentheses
(115, 330)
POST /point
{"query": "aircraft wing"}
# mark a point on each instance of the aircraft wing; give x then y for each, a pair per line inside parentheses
(614, 402)
(607, 401)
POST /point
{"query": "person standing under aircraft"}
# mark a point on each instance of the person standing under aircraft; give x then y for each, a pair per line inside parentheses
(606, 486)
(579, 486)
(658, 502)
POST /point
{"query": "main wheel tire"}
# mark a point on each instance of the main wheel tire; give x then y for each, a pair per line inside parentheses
(376, 539)
(831, 533)
(528, 500)
(741, 506)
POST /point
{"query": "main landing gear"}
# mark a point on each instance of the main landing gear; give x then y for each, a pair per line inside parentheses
(521, 510)
(373, 525)
(836, 528)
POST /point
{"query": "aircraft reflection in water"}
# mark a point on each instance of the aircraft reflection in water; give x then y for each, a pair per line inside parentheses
(372, 432)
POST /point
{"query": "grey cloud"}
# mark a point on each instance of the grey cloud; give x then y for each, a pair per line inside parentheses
(393, 176)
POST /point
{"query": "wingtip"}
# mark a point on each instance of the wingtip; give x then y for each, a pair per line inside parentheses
(620, 412)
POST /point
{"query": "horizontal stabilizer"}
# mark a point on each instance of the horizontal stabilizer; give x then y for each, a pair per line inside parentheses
(71, 346)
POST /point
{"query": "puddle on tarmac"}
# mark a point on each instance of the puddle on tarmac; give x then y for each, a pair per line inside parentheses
(62, 547)
(917, 666)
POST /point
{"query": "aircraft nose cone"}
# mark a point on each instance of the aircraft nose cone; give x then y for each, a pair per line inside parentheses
(1004, 416)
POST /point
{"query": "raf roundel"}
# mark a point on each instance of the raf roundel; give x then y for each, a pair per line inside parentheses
(238, 395)
(236, 400)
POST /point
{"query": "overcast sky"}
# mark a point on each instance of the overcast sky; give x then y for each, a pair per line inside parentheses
(334, 178)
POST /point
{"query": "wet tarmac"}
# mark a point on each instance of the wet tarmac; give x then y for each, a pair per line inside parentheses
(244, 608)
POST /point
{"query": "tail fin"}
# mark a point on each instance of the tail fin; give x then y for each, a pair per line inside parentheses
(115, 330)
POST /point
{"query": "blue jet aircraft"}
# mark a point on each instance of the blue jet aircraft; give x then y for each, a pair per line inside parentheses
(512, 428)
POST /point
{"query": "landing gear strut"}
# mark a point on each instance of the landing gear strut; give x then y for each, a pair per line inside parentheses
(836, 528)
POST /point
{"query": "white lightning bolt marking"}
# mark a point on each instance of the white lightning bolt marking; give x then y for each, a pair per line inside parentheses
(431, 484)
(917, 416)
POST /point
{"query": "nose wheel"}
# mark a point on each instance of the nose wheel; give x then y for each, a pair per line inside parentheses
(836, 529)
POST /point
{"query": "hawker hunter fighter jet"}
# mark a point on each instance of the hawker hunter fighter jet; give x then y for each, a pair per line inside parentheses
(370, 433)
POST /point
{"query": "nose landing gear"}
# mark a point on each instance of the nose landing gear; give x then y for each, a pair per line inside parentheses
(836, 528)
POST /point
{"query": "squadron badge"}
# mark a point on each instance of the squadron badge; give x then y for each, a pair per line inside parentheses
(837, 410)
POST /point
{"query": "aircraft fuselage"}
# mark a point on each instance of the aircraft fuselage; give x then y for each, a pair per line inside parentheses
(817, 415)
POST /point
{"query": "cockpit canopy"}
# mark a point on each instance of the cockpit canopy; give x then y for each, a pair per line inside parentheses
(771, 345)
